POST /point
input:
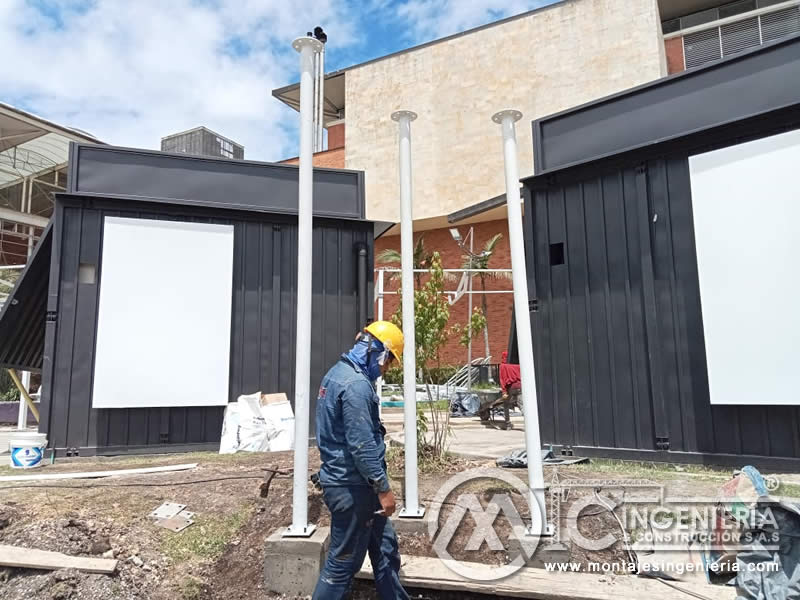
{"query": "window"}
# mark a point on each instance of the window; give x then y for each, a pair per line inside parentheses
(556, 254)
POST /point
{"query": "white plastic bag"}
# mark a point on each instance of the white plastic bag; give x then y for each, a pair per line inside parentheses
(280, 421)
(244, 428)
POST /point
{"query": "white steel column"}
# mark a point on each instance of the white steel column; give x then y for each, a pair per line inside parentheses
(321, 107)
(381, 273)
(411, 507)
(27, 207)
(469, 311)
(533, 445)
(308, 48)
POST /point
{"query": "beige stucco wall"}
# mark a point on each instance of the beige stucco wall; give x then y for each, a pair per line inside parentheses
(549, 61)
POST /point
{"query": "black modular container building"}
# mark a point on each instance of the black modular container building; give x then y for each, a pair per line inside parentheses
(49, 323)
(620, 353)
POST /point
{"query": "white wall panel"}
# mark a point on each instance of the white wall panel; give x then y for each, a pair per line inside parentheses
(164, 320)
(746, 205)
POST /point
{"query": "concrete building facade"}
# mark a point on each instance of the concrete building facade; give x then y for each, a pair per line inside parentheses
(541, 62)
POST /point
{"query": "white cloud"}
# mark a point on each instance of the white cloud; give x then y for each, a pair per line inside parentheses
(132, 72)
(432, 19)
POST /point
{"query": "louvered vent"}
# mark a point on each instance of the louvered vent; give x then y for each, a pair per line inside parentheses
(739, 36)
(780, 23)
(701, 47)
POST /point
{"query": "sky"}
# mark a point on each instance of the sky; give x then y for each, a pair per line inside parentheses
(132, 71)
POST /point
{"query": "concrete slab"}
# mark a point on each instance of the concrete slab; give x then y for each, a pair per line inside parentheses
(292, 565)
(478, 441)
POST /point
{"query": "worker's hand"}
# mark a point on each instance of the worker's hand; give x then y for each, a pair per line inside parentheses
(388, 503)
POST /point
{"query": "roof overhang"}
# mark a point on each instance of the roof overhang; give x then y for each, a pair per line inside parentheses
(670, 9)
(31, 145)
(334, 96)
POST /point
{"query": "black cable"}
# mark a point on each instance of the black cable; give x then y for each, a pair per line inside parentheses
(279, 475)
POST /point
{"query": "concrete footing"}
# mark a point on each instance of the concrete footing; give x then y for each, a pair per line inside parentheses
(410, 526)
(292, 565)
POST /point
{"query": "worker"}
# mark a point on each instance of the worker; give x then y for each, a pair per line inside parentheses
(353, 476)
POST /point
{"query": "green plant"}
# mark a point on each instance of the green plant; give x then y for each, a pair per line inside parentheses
(8, 391)
(422, 259)
(431, 315)
(482, 262)
(477, 323)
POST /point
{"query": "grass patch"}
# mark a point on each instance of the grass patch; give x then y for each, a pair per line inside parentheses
(192, 588)
(427, 464)
(789, 490)
(652, 470)
(207, 538)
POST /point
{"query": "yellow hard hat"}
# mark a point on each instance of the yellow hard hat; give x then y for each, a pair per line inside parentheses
(389, 335)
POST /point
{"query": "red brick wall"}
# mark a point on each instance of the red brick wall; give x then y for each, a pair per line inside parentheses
(336, 136)
(499, 305)
(332, 159)
(674, 49)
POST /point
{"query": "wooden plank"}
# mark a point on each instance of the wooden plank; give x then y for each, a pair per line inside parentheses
(540, 584)
(96, 474)
(28, 558)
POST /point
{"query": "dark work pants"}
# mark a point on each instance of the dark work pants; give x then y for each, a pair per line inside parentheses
(356, 530)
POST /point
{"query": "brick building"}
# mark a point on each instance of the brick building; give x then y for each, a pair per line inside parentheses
(540, 62)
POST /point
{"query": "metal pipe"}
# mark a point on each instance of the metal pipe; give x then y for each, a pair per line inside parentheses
(411, 507)
(380, 318)
(321, 107)
(391, 270)
(533, 445)
(362, 284)
(469, 312)
(307, 47)
(22, 416)
(314, 108)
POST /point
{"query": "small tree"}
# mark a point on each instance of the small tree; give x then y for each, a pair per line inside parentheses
(422, 259)
(482, 262)
(431, 314)
(476, 324)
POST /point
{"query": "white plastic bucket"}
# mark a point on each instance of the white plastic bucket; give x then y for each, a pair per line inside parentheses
(27, 449)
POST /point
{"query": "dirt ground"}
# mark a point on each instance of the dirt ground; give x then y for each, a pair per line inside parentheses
(221, 555)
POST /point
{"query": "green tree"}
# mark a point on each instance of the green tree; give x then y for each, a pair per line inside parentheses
(431, 315)
(422, 259)
(482, 262)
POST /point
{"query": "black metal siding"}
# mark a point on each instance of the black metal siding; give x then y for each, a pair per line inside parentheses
(263, 320)
(618, 334)
(22, 320)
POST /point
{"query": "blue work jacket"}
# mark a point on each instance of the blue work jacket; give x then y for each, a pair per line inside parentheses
(349, 431)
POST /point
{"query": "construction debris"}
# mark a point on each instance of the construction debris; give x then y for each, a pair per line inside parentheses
(28, 558)
(167, 510)
(172, 516)
(97, 474)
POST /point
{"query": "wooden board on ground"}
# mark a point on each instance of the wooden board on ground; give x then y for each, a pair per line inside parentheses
(540, 584)
(96, 474)
(28, 558)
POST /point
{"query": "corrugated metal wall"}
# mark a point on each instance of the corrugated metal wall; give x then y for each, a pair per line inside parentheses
(263, 325)
(618, 334)
(22, 319)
